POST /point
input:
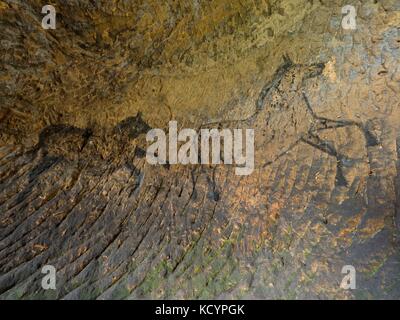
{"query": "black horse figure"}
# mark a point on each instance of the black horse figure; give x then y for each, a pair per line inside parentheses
(284, 117)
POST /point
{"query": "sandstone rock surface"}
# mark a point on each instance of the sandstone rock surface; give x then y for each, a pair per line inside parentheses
(76, 191)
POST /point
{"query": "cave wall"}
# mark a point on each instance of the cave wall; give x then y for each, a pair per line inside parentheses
(76, 190)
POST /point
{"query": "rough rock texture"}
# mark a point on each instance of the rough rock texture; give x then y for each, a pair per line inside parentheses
(76, 190)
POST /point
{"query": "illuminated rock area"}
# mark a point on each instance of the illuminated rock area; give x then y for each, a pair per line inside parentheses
(77, 192)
